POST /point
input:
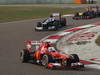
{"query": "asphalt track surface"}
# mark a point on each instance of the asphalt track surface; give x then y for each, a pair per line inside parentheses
(12, 36)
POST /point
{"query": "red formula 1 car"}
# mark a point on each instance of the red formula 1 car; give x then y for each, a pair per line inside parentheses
(46, 55)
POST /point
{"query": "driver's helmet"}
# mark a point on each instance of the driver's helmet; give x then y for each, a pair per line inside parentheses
(51, 49)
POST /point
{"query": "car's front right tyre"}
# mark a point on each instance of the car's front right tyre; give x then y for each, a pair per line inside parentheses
(74, 58)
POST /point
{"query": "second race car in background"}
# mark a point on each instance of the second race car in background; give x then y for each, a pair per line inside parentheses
(54, 22)
(89, 13)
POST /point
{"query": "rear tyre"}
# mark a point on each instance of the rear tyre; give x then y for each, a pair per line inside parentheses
(74, 58)
(56, 24)
(63, 21)
(24, 56)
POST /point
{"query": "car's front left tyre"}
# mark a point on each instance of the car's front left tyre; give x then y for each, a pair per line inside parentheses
(74, 58)
(46, 59)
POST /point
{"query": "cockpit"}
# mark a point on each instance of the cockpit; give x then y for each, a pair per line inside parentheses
(51, 49)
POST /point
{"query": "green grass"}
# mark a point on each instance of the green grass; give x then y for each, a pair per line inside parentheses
(22, 12)
(98, 41)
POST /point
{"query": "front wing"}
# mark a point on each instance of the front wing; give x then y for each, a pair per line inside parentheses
(59, 66)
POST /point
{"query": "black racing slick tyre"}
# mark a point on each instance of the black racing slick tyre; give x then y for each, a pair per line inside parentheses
(63, 21)
(24, 56)
(74, 58)
(56, 24)
(46, 59)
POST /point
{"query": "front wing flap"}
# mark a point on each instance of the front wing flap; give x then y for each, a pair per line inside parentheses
(59, 66)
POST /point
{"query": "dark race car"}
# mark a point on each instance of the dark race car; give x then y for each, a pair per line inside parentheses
(84, 15)
(91, 12)
(46, 55)
(53, 23)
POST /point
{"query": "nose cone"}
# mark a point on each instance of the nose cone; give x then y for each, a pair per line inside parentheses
(59, 55)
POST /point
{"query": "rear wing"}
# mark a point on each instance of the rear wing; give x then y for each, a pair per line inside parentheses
(36, 42)
(56, 14)
(30, 44)
(33, 42)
